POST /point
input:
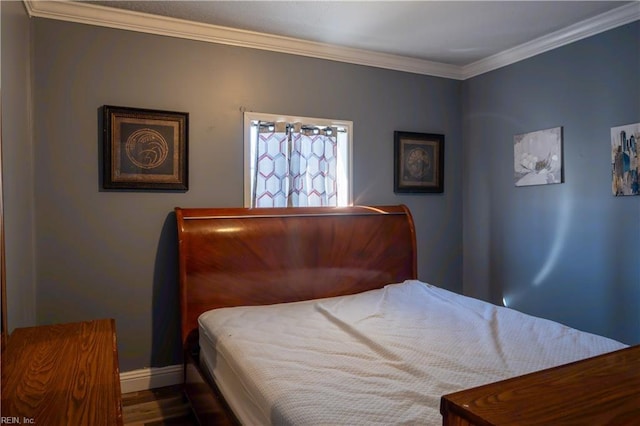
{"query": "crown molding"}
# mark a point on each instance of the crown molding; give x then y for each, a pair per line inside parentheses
(587, 28)
(91, 14)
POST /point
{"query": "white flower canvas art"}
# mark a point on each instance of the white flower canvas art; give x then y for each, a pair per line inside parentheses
(538, 157)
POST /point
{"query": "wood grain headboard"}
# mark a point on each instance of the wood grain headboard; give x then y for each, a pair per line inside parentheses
(240, 256)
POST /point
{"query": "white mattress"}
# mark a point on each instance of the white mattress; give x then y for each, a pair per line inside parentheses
(381, 357)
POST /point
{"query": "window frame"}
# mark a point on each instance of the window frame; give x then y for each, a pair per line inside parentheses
(250, 117)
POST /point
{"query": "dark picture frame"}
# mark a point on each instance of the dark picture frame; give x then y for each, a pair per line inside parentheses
(145, 149)
(418, 162)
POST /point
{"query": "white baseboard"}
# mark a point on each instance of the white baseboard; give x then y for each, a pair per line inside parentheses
(150, 378)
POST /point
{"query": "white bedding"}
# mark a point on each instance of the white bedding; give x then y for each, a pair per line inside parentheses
(381, 357)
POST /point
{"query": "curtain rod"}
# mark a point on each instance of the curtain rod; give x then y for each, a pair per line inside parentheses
(303, 127)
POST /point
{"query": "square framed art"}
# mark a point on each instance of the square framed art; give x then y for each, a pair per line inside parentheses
(418, 162)
(537, 157)
(145, 149)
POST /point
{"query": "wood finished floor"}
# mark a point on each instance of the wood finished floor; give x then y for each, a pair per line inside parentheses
(157, 407)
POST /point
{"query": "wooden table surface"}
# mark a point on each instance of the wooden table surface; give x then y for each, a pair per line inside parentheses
(64, 374)
(603, 390)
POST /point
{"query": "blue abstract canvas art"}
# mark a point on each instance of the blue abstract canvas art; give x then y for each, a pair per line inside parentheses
(625, 163)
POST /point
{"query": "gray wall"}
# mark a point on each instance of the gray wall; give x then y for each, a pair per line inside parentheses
(568, 252)
(17, 166)
(75, 252)
(113, 254)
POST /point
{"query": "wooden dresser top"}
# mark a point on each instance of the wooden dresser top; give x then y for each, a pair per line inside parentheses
(64, 374)
(603, 390)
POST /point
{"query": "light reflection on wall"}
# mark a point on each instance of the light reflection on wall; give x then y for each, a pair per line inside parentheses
(552, 258)
(562, 226)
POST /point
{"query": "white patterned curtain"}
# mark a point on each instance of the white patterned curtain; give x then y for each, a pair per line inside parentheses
(271, 186)
(313, 167)
(296, 166)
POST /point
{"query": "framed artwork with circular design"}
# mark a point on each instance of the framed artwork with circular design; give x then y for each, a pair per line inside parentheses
(419, 162)
(145, 149)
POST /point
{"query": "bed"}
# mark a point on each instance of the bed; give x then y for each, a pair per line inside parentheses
(315, 316)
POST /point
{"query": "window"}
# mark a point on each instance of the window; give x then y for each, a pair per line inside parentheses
(296, 161)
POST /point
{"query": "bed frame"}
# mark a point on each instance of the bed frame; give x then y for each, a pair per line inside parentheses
(245, 257)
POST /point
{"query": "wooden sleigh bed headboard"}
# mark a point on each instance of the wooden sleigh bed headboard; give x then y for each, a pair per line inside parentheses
(240, 256)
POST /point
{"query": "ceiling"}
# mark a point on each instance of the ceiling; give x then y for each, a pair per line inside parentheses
(446, 38)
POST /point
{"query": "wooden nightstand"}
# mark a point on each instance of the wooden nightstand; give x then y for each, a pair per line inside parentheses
(64, 374)
(603, 390)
